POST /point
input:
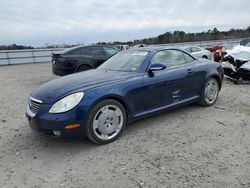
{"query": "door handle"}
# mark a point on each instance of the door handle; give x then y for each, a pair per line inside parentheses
(190, 71)
(168, 83)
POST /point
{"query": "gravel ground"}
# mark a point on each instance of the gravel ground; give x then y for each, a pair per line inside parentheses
(191, 146)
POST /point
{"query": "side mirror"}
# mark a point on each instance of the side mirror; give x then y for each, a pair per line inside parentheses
(157, 67)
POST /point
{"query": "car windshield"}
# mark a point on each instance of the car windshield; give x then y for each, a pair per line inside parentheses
(129, 61)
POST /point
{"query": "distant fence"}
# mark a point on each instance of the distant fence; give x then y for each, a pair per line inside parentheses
(9, 57)
(229, 44)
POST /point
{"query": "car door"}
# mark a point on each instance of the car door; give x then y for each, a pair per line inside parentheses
(110, 51)
(78, 54)
(98, 56)
(196, 76)
(169, 86)
(81, 56)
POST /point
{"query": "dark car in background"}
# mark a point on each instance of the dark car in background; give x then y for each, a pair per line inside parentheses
(245, 42)
(81, 58)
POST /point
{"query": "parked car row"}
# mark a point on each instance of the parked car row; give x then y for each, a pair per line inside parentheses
(83, 58)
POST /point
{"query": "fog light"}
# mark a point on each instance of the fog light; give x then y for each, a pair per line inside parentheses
(57, 133)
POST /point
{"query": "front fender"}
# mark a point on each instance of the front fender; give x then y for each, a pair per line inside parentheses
(215, 71)
(128, 92)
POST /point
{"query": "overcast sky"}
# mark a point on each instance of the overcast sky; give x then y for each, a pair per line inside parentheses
(37, 22)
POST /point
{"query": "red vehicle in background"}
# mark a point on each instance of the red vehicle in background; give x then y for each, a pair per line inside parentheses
(218, 51)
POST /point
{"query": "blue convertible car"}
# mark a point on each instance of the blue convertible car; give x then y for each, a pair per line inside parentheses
(132, 84)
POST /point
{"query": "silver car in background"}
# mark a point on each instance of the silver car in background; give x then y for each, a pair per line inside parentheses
(198, 52)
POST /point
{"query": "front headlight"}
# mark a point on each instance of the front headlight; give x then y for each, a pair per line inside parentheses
(66, 103)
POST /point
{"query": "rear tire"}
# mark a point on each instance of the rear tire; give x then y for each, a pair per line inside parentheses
(83, 68)
(210, 92)
(205, 57)
(106, 122)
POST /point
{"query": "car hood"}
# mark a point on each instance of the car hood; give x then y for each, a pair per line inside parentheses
(56, 89)
(240, 53)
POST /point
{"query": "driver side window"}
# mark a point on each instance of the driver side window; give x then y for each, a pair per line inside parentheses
(97, 51)
(170, 58)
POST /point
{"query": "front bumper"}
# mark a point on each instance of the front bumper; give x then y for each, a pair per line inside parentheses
(48, 124)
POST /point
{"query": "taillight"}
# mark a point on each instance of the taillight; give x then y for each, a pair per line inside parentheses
(62, 59)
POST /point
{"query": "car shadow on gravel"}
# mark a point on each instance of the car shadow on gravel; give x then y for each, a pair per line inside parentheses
(60, 146)
(162, 116)
(62, 142)
(34, 144)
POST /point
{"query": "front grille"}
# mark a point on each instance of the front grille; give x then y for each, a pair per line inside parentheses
(34, 105)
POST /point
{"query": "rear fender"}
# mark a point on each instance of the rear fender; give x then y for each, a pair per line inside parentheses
(83, 62)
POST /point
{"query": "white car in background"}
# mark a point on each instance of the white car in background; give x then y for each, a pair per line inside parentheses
(139, 46)
(122, 47)
(198, 52)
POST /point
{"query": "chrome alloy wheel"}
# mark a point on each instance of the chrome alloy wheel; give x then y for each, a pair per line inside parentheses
(211, 91)
(108, 122)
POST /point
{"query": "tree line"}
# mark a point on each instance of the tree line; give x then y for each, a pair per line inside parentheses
(181, 36)
(168, 37)
(15, 47)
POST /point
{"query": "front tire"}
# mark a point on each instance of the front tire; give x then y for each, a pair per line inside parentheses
(83, 68)
(106, 122)
(210, 92)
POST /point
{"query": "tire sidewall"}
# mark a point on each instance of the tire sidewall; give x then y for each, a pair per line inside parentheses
(90, 131)
(203, 101)
(87, 67)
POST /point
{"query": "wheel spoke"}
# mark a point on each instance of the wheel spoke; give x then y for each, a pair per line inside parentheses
(95, 124)
(104, 109)
(118, 112)
(104, 136)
